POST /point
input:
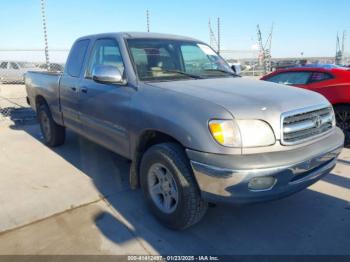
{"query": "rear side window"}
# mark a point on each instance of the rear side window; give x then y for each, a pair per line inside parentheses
(291, 78)
(320, 76)
(76, 58)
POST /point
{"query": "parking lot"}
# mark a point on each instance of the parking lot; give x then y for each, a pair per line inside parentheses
(76, 199)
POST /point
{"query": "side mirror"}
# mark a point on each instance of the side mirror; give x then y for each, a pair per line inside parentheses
(107, 74)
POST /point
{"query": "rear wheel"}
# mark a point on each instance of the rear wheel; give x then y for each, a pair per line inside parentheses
(170, 188)
(54, 134)
(342, 115)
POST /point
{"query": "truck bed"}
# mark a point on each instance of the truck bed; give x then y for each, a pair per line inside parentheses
(45, 84)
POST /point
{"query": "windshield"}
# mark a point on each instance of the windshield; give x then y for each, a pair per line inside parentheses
(160, 59)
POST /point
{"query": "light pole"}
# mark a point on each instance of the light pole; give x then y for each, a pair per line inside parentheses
(43, 17)
(148, 22)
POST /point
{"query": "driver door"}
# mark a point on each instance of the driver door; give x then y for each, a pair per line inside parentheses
(104, 107)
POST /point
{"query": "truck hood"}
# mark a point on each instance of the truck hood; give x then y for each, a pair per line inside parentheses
(247, 98)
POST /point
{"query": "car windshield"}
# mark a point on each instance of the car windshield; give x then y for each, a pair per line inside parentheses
(162, 60)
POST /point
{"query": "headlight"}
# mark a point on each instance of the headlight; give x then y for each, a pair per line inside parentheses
(255, 133)
(225, 132)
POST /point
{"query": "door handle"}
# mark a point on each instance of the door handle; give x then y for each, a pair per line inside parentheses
(84, 90)
(74, 89)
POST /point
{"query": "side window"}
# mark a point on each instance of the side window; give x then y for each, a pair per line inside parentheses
(3, 65)
(319, 76)
(14, 66)
(291, 78)
(76, 58)
(105, 52)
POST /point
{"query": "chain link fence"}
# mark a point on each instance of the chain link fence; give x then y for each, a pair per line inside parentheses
(14, 63)
(13, 66)
(246, 60)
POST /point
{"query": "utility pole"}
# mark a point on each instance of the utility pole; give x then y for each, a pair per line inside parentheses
(261, 47)
(43, 17)
(265, 50)
(338, 55)
(343, 48)
(215, 40)
(268, 50)
(212, 37)
(340, 49)
(219, 36)
(148, 23)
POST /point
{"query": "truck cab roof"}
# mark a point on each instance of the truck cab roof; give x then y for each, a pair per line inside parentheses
(135, 35)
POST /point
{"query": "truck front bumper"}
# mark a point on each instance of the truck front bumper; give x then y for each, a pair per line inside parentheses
(228, 178)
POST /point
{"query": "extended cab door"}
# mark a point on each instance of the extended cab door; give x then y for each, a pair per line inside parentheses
(104, 108)
(69, 84)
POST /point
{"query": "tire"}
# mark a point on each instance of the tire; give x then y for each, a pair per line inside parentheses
(189, 207)
(54, 134)
(342, 115)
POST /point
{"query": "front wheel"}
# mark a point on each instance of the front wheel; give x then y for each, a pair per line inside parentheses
(170, 188)
(342, 115)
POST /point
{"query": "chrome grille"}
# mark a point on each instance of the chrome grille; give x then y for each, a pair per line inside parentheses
(301, 125)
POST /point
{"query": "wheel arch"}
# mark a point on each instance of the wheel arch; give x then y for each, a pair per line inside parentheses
(343, 122)
(147, 139)
(341, 104)
(40, 100)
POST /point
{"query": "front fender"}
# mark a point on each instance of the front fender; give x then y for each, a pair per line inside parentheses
(182, 117)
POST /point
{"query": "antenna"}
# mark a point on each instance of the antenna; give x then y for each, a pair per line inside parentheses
(148, 20)
(43, 17)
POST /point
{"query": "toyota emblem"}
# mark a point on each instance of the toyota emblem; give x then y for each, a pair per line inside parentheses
(317, 121)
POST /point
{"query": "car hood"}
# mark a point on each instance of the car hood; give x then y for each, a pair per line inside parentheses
(247, 98)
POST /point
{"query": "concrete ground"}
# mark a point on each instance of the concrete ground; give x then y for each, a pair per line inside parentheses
(76, 199)
(12, 95)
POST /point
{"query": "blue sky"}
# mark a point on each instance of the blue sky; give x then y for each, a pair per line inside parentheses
(308, 26)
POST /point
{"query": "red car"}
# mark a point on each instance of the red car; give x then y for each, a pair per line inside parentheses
(331, 82)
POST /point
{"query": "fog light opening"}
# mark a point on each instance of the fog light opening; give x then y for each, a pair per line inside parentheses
(262, 183)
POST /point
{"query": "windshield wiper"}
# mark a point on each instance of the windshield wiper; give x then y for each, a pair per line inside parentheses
(223, 71)
(181, 73)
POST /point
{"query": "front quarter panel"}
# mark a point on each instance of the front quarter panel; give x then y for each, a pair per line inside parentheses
(183, 117)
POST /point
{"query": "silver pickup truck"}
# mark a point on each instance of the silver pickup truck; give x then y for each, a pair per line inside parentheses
(195, 132)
